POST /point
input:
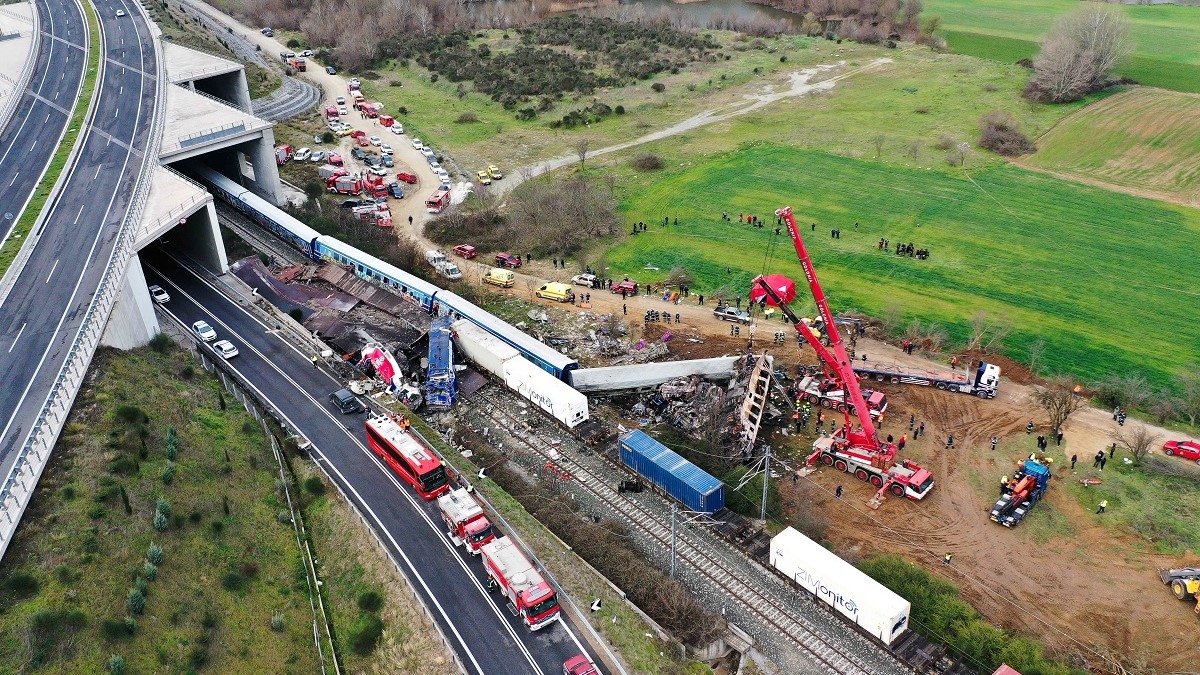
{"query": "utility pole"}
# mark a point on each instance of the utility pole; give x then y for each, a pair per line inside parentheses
(766, 479)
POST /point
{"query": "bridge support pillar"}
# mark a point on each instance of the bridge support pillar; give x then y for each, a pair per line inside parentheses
(132, 322)
(200, 238)
(261, 154)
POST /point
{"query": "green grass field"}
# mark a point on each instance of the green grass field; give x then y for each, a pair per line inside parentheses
(1142, 138)
(1164, 36)
(1095, 273)
(228, 567)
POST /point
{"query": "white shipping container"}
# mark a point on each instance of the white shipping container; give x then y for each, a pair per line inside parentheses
(546, 391)
(856, 596)
(482, 348)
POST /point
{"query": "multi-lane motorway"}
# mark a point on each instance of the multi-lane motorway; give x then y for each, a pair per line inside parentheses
(486, 637)
(42, 313)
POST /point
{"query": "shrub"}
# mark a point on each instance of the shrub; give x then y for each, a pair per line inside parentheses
(141, 586)
(659, 87)
(466, 118)
(149, 570)
(297, 315)
(209, 620)
(249, 569)
(648, 162)
(1000, 133)
(125, 501)
(64, 574)
(163, 506)
(160, 343)
(217, 526)
(233, 581)
(277, 622)
(293, 43)
(395, 83)
(130, 625)
(135, 601)
(365, 634)
(370, 601)
(116, 664)
(124, 465)
(620, 109)
(112, 629)
(168, 474)
(97, 512)
(160, 521)
(131, 414)
(283, 516)
(328, 137)
(21, 584)
(154, 554)
(187, 372)
(314, 486)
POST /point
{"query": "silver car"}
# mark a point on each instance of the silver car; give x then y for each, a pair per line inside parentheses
(204, 331)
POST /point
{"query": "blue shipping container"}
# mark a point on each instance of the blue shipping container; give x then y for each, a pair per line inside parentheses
(681, 479)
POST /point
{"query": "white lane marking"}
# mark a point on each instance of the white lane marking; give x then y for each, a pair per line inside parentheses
(14, 178)
(14, 344)
(56, 93)
(33, 146)
(47, 118)
(97, 174)
(52, 271)
(77, 215)
(387, 472)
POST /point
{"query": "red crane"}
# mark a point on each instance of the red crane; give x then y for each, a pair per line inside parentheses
(854, 450)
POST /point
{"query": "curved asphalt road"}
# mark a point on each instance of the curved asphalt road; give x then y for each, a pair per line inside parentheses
(480, 629)
(41, 113)
(42, 314)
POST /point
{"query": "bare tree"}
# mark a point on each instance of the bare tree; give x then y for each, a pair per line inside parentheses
(1137, 438)
(1165, 407)
(1128, 390)
(960, 153)
(1080, 53)
(532, 283)
(914, 149)
(1058, 398)
(891, 315)
(1037, 349)
(1189, 393)
(878, 141)
(987, 331)
(582, 145)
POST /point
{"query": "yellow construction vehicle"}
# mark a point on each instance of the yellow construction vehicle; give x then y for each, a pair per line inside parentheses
(1184, 583)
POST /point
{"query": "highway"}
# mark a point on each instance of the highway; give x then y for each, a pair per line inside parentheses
(480, 629)
(41, 315)
(41, 113)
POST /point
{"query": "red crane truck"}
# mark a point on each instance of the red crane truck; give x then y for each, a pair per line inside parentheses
(857, 450)
(526, 592)
(466, 525)
(829, 393)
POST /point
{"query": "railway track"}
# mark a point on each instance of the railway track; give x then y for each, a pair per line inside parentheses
(766, 608)
(258, 238)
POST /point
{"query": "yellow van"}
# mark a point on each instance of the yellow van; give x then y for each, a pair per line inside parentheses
(555, 291)
(499, 277)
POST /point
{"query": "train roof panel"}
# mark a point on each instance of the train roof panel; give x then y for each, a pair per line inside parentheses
(421, 458)
(496, 326)
(387, 269)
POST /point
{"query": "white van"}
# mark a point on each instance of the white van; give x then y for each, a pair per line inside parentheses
(435, 258)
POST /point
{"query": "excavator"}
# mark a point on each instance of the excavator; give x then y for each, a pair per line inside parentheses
(1018, 495)
(1184, 583)
(855, 449)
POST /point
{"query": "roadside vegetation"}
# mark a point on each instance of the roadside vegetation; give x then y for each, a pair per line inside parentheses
(182, 28)
(155, 535)
(58, 161)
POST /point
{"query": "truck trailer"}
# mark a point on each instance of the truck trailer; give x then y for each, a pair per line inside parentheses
(466, 524)
(527, 594)
(982, 381)
(861, 600)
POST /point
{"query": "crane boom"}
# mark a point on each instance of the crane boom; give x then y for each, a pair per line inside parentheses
(838, 360)
(802, 328)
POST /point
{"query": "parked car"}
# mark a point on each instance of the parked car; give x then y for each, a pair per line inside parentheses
(358, 133)
(385, 148)
(395, 190)
(494, 171)
(343, 110)
(388, 161)
(588, 280)
(376, 141)
(506, 259)
(302, 154)
(225, 348)
(418, 144)
(731, 314)
(266, 31)
(204, 331)
(351, 203)
(340, 100)
(346, 402)
(331, 70)
(372, 160)
(335, 159)
(358, 153)
(442, 174)
(1189, 450)
(428, 152)
(484, 178)
(306, 53)
(343, 131)
(160, 296)
(629, 287)
(406, 177)
(579, 664)
(397, 128)
(377, 171)
(465, 250)
(363, 143)
(318, 156)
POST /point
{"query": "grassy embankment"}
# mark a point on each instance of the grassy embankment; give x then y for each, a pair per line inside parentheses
(1143, 139)
(1164, 36)
(179, 28)
(1074, 265)
(58, 161)
(229, 594)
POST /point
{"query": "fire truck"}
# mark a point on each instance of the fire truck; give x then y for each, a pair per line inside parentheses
(857, 449)
(466, 525)
(438, 201)
(283, 153)
(345, 185)
(298, 64)
(527, 594)
(419, 466)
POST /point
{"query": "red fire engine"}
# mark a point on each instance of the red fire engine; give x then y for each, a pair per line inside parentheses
(466, 525)
(857, 451)
(527, 593)
(408, 457)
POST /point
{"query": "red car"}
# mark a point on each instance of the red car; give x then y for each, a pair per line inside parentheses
(507, 259)
(465, 250)
(629, 287)
(1185, 449)
(579, 665)
(406, 177)
(362, 142)
(336, 159)
(358, 133)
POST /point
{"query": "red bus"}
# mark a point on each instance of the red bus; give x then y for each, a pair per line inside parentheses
(408, 457)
